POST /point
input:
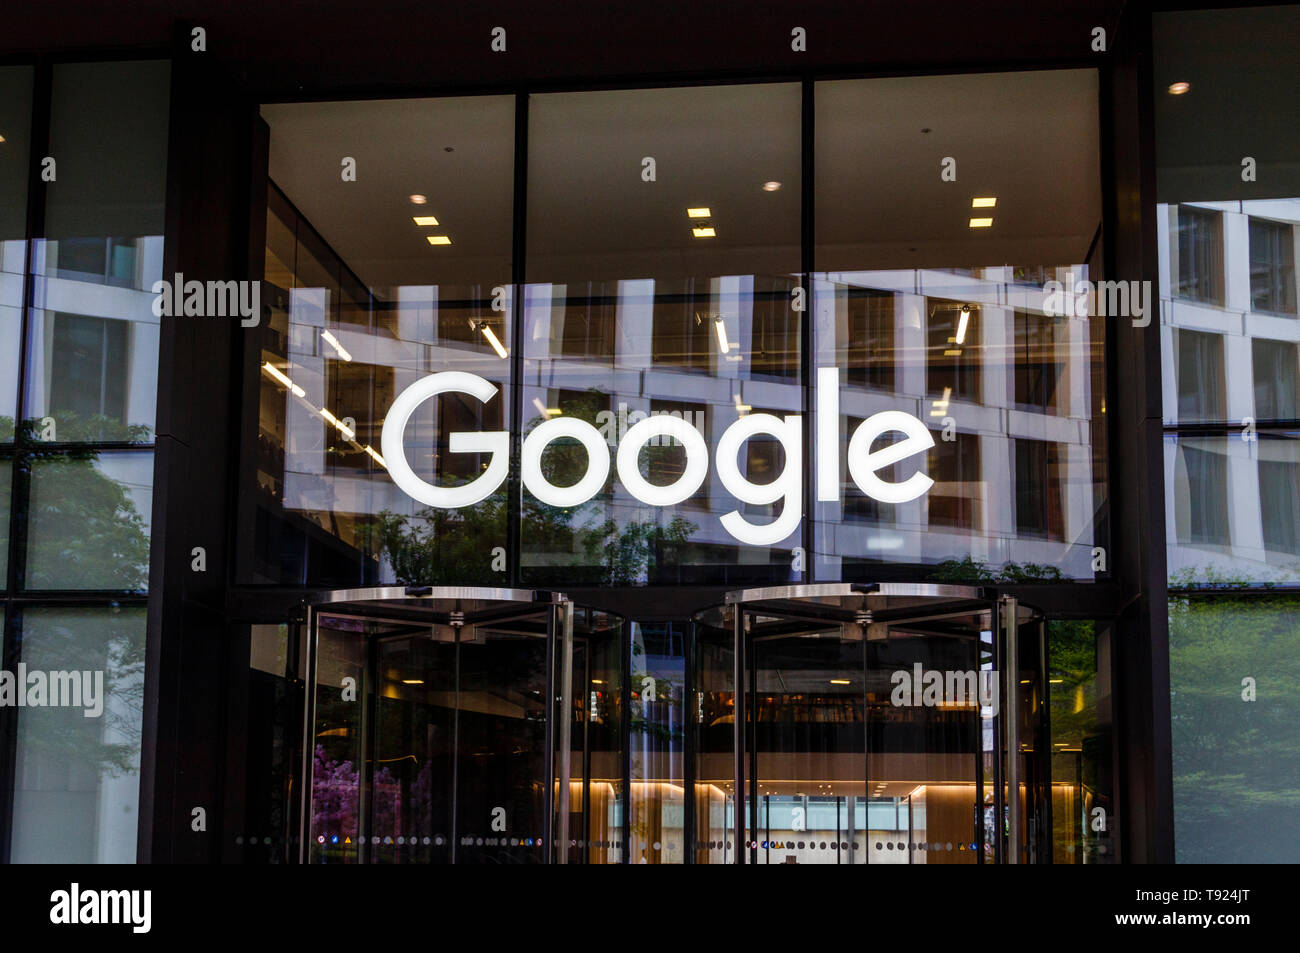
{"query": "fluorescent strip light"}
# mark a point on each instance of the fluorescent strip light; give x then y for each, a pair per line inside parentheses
(941, 406)
(349, 434)
(375, 456)
(412, 681)
(722, 335)
(840, 681)
(699, 213)
(495, 342)
(334, 343)
(274, 372)
(546, 411)
(984, 203)
(961, 326)
(981, 222)
(423, 220)
(704, 232)
(439, 240)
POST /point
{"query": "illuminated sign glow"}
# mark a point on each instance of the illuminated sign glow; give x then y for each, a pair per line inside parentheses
(864, 464)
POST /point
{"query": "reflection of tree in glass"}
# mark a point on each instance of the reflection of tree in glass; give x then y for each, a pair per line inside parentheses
(437, 547)
(1236, 762)
(70, 427)
(969, 569)
(81, 640)
(85, 530)
(612, 555)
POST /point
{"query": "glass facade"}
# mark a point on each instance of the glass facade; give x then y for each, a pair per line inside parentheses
(655, 465)
(1231, 342)
(77, 412)
(666, 321)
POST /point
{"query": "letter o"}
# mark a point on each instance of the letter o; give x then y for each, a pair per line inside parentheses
(629, 452)
(535, 445)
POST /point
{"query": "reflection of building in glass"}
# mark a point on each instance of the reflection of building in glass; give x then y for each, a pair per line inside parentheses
(1231, 344)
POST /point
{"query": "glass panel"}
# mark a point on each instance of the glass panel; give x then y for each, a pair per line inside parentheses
(15, 147)
(714, 720)
(415, 716)
(1272, 266)
(1233, 508)
(363, 305)
(1232, 673)
(334, 825)
(1002, 363)
(6, 489)
(658, 699)
(76, 796)
(501, 712)
(93, 344)
(1082, 732)
(1277, 386)
(597, 796)
(89, 521)
(660, 284)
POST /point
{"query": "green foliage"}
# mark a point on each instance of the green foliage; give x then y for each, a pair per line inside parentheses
(85, 532)
(1236, 763)
(437, 547)
(968, 570)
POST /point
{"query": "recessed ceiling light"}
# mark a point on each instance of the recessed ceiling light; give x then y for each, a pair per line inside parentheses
(771, 186)
(981, 222)
(706, 232)
(1179, 88)
(2, 138)
(425, 220)
(983, 203)
(698, 212)
(439, 240)
(418, 199)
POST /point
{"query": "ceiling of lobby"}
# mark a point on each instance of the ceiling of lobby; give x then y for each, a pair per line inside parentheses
(1027, 138)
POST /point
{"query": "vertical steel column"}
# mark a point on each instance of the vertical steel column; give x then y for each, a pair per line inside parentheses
(308, 737)
(738, 726)
(1011, 723)
(548, 755)
(565, 723)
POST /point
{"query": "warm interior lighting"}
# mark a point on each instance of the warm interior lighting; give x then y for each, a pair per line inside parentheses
(546, 411)
(1177, 89)
(699, 213)
(840, 681)
(439, 240)
(374, 455)
(771, 186)
(721, 328)
(418, 199)
(274, 372)
(334, 343)
(424, 220)
(962, 322)
(981, 222)
(989, 202)
(940, 406)
(706, 232)
(412, 681)
(2, 138)
(598, 681)
(495, 342)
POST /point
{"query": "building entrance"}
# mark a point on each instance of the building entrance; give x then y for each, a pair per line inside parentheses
(892, 723)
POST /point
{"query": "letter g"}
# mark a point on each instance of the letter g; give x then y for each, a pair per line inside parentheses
(496, 443)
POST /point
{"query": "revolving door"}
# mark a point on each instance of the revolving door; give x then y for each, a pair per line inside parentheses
(890, 723)
(432, 726)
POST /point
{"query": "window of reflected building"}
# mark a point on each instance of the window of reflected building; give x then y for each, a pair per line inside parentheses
(669, 288)
(914, 297)
(374, 285)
